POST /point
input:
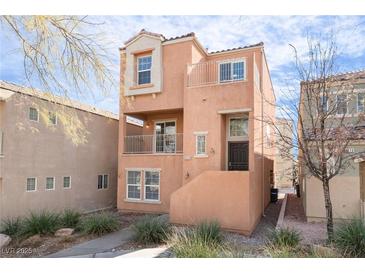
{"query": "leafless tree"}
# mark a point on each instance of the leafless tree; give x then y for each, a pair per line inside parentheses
(322, 125)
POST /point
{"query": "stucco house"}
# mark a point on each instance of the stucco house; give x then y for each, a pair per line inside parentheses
(54, 153)
(191, 143)
(347, 189)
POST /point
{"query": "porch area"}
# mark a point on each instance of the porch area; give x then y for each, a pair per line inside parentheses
(153, 133)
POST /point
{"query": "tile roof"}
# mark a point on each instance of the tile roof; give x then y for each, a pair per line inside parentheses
(190, 34)
(245, 47)
(55, 99)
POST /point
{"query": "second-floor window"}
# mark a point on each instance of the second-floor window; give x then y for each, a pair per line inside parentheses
(52, 118)
(144, 70)
(324, 103)
(231, 71)
(361, 102)
(341, 104)
(33, 114)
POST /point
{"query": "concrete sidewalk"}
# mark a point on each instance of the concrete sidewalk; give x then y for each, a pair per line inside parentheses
(91, 248)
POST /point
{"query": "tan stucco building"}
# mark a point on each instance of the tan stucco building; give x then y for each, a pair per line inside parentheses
(347, 189)
(54, 153)
(199, 151)
(283, 165)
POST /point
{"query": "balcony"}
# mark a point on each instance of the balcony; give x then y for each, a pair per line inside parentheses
(154, 144)
(216, 72)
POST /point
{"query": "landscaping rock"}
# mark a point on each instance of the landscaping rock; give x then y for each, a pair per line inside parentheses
(4, 240)
(32, 241)
(64, 232)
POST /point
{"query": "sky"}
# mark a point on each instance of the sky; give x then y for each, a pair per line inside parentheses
(214, 33)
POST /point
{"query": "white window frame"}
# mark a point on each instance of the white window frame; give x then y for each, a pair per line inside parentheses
(138, 71)
(357, 102)
(102, 182)
(140, 184)
(35, 185)
(229, 128)
(232, 62)
(326, 102)
(63, 182)
(198, 134)
(145, 186)
(155, 135)
(49, 118)
(37, 114)
(54, 183)
(347, 105)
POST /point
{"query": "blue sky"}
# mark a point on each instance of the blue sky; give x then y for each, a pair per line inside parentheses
(215, 33)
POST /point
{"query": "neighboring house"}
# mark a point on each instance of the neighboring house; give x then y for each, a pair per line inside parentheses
(198, 152)
(283, 166)
(54, 153)
(347, 189)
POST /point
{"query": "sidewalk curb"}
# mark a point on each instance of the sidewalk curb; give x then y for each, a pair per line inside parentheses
(280, 222)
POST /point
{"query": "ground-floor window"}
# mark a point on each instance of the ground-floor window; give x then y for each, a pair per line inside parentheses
(103, 181)
(147, 180)
(50, 183)
(152, 185)
(67, 182)
(31, 184)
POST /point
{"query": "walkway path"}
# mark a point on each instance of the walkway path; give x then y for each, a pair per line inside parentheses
(103, 244)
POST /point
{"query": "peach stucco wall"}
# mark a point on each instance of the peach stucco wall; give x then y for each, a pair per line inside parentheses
(214, 195)
(237, 199)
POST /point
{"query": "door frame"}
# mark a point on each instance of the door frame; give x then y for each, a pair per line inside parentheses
(234, 139)
(238, 142)
(154, 134)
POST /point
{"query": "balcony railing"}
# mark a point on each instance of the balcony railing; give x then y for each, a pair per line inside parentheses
(149, 144)
(205, 73)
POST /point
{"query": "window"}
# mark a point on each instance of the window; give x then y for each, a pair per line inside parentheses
(231, 71)
(67, 182)
(341, 104)
(50, 183)
(103, 181)
(31, 184)
(361, 102)
(200, 144)
(144, 70)
(52, 118)
(134, 184)
(238, 127)
(152, 185)
(324, 103)
(165, 137)
(33, 114)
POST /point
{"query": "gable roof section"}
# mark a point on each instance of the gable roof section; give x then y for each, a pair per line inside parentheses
(190, 35)
(47, 96)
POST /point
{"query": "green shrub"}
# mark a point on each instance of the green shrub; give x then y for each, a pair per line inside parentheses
(350, 238)
(202, 241)
(284, 237)
(151, 230)
(11, 227)
(209, 232)
(41, 223)
(70, 218)
(99, 224)
(188, 244)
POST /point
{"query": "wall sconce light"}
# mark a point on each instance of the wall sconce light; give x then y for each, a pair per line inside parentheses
(187, 175)
(212, 150)
(147, 125)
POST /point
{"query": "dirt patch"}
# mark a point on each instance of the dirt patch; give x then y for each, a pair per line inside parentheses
(311, 232)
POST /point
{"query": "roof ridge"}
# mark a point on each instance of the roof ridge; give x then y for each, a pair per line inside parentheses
(62, 100)
(238, 48)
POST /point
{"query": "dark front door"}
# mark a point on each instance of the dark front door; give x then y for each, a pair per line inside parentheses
(238, 156)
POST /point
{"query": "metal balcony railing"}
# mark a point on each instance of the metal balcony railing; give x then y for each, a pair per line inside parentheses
(149, 144)
(205, 73)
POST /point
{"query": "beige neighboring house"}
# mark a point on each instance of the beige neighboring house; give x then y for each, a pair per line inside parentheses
(199, 151)
(54, 153)
(347, 189)
(283, 167)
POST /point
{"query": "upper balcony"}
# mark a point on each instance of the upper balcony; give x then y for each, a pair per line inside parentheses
(216, 72)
